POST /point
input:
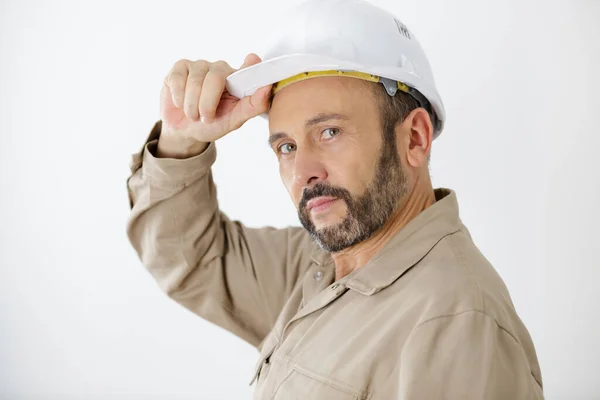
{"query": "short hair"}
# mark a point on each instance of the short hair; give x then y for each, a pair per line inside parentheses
(394, 109)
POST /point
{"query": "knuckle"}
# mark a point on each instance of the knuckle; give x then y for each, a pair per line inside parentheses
(215, 79)
(221, 67)
(179, 67)
(220, 64)
(200, 65)
(197, 73)
(183, 63)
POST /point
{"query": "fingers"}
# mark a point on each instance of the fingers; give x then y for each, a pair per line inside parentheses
(258, 103)
(212, 89)
(193, 88)
(250, 60)
(176, 80)
(251, 106)
(196, 87)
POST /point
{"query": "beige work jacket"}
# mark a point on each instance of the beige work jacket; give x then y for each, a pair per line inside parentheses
(427, 318)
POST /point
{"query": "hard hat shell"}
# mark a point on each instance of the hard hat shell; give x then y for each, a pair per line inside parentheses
(342, 35)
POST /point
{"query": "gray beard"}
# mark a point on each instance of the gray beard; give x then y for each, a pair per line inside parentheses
(367, 213)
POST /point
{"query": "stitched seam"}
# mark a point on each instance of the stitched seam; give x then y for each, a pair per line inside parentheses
(464, 312)
(503, 329)
(287, 376)
(318, 377)
(461, 259)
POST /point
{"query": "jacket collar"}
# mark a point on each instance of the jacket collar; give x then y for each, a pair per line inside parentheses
(405, 248)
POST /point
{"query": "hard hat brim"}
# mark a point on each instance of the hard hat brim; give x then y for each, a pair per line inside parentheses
(246, 81)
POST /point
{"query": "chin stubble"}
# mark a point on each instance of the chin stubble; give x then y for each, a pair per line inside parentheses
(365, 214)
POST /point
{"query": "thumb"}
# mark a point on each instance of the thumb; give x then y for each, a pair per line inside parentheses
(251, 106)
(251, 59)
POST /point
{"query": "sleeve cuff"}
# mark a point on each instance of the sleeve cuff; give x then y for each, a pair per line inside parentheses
(176, 172)
(170, 171)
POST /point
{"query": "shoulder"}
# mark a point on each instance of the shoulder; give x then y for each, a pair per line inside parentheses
(455, 277)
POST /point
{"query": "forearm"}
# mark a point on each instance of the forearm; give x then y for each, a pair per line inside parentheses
(166, 196)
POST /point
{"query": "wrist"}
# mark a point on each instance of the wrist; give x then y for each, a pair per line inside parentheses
(177, 147)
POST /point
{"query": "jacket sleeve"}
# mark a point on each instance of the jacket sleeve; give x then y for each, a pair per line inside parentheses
(233, 276)
(465, 356)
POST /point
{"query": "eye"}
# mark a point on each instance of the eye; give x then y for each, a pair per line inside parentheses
(286, 148)
(330, 132)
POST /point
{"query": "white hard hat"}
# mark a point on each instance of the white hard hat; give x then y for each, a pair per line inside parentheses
(344, 38)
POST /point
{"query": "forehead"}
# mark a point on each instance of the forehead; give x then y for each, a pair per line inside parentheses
(302, 100)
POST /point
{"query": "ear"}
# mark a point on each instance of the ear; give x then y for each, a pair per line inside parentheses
(418, 131)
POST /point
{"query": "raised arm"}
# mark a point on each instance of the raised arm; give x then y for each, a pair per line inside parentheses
(236, 277)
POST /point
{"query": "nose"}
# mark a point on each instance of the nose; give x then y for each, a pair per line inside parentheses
(308, 169)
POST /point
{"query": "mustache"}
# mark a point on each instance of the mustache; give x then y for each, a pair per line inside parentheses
(322, 189)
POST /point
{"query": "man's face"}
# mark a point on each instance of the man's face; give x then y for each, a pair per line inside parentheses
(342, 172)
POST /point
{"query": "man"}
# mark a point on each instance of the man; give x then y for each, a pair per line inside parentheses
(382, 294)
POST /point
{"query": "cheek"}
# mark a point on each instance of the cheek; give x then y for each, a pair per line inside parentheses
(350, 159)
(287, 178)
(351, 172)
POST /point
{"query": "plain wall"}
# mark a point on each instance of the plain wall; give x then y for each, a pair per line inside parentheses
(80, 318)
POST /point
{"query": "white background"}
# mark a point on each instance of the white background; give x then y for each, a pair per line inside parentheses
(80, 318)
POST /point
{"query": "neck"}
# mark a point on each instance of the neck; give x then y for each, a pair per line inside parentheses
(358, 255)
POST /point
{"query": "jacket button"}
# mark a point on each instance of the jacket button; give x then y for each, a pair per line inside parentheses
(318, 275)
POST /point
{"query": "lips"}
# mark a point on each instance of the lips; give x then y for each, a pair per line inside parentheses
(320, 201)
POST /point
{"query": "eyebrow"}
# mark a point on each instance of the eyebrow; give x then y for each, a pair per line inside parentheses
(317, 119)
(275, 137)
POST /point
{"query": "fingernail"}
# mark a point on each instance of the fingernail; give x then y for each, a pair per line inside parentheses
(205, 120)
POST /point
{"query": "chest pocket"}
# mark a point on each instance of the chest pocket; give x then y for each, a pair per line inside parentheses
(300, 386)
(263, 365)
